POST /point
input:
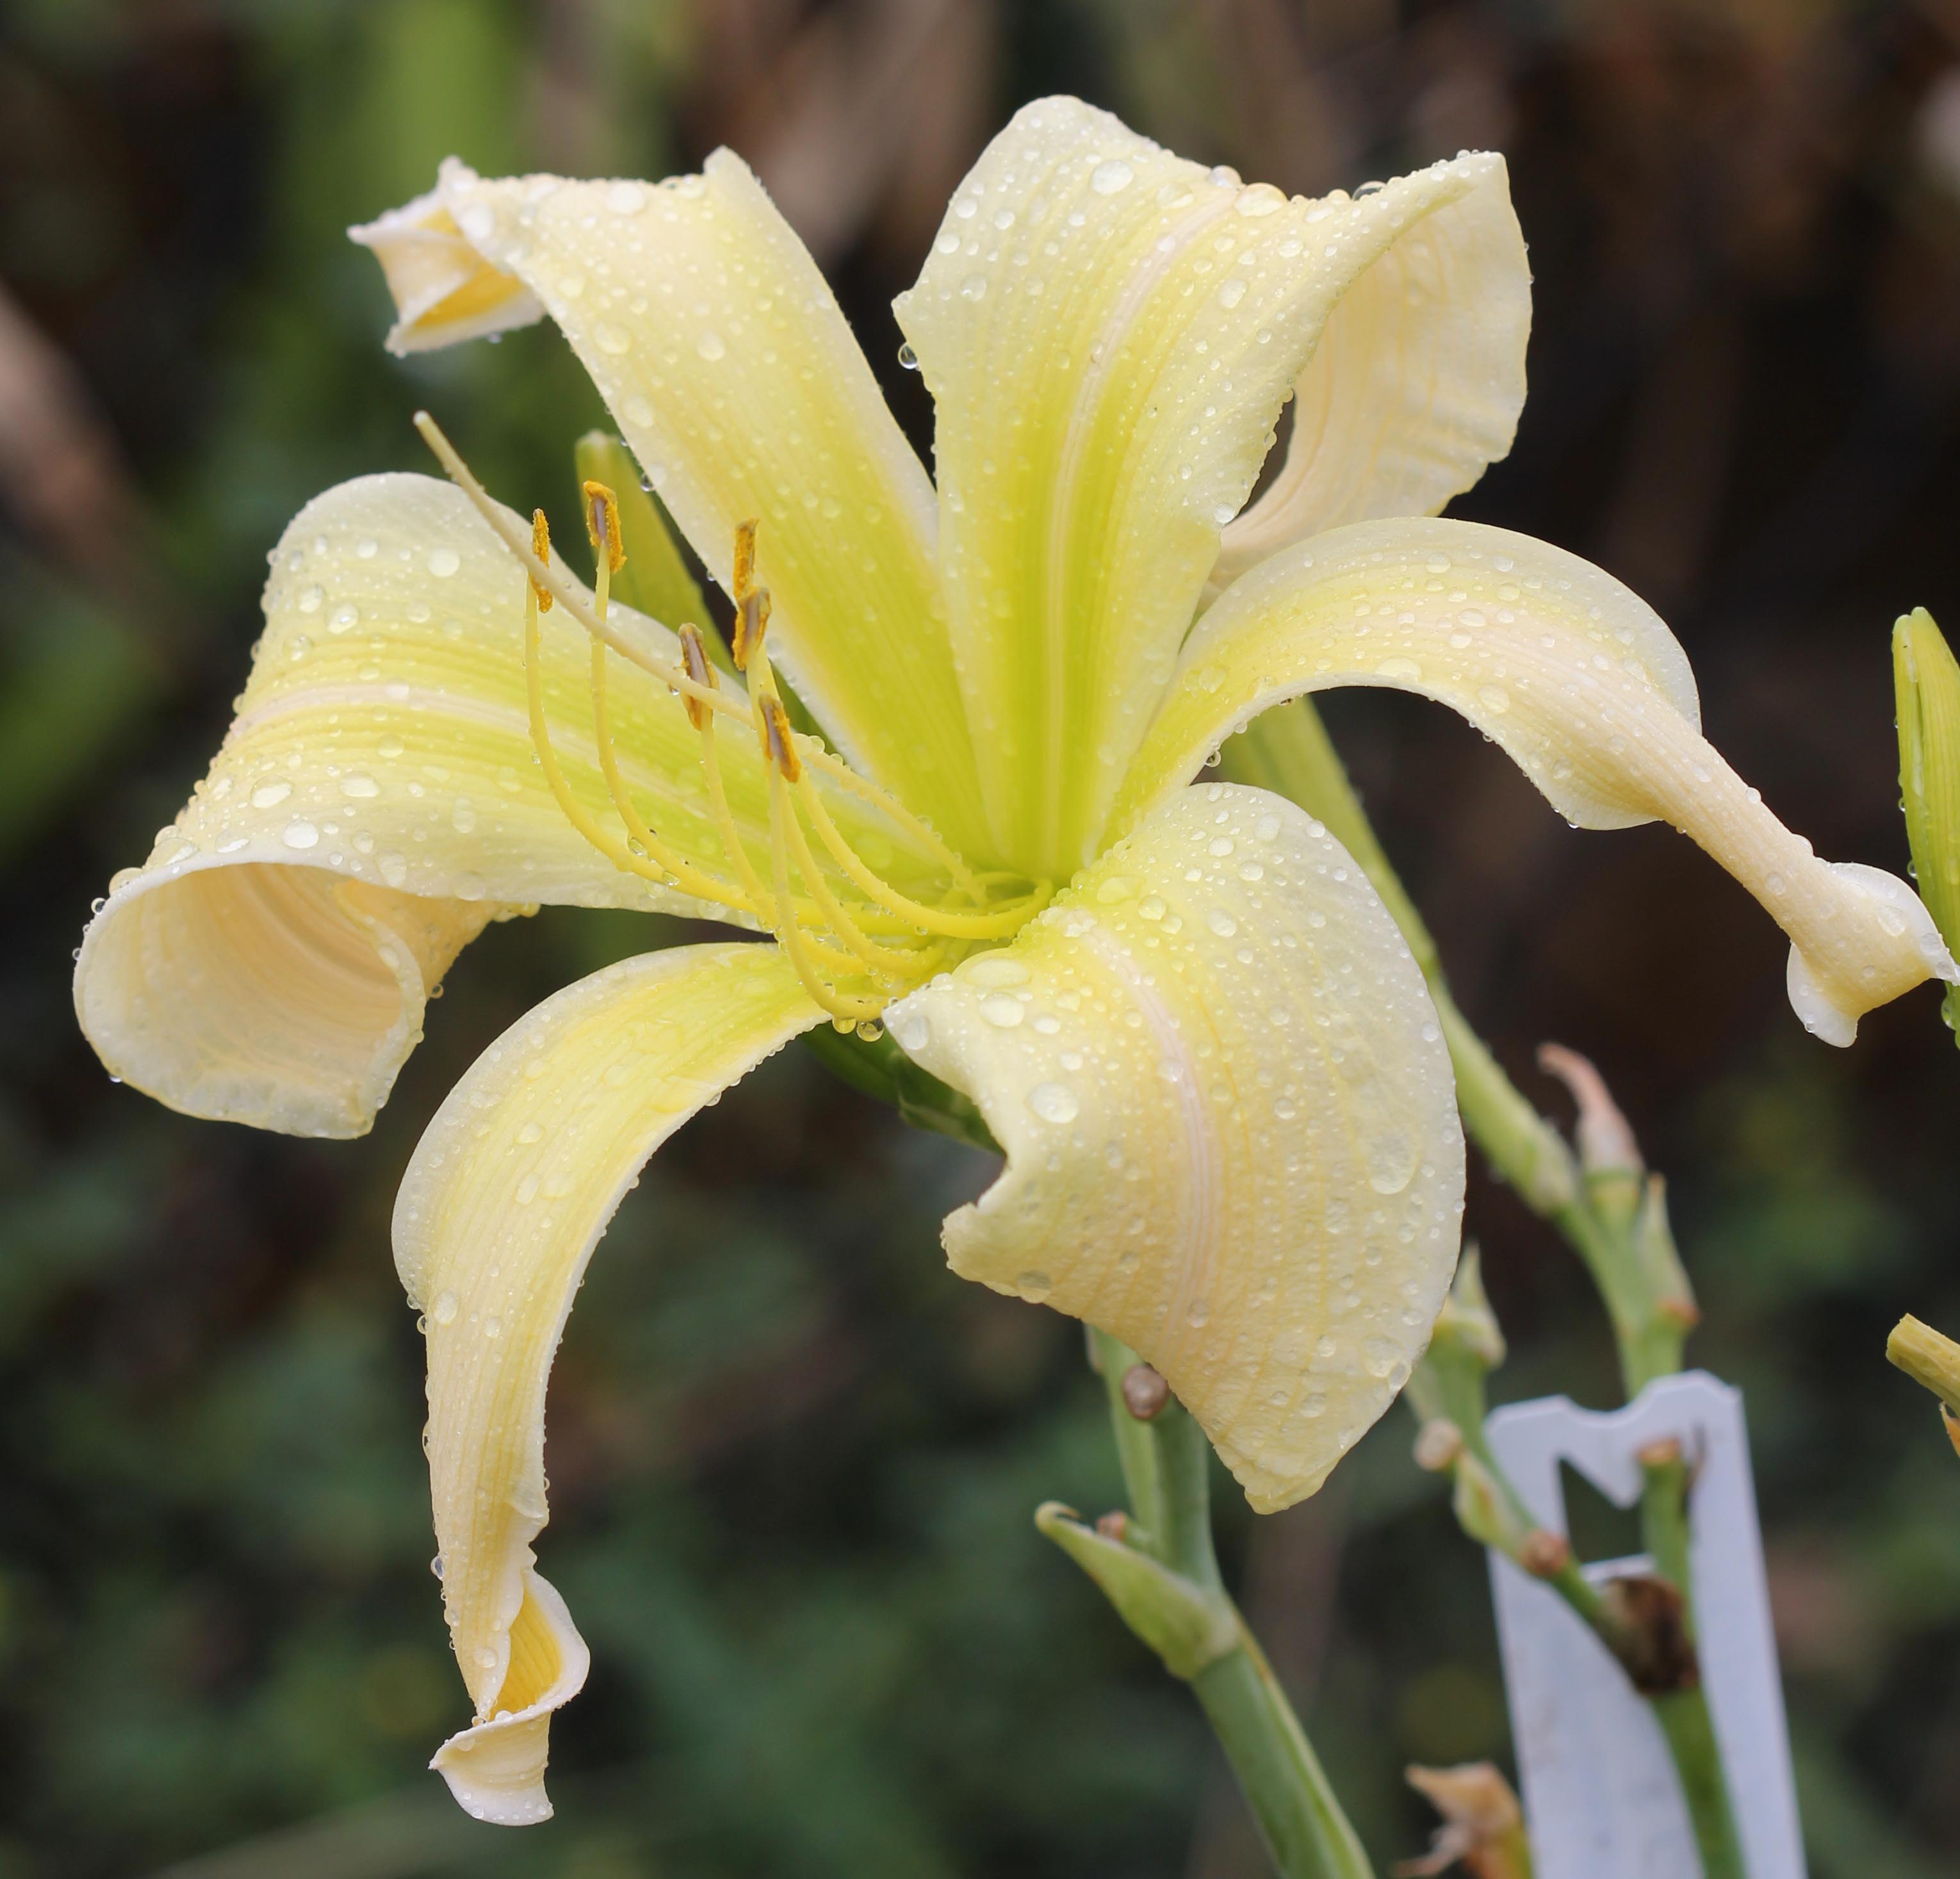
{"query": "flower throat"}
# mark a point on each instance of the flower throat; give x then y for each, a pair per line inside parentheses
(857, 942)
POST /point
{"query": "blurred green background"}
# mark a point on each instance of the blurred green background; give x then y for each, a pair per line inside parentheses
(792, 1460)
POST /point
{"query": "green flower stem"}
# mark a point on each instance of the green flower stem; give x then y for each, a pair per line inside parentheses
(1166, 1463)
(1613, 1218)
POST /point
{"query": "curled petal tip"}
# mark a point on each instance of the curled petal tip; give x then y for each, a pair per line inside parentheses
(1883, 942)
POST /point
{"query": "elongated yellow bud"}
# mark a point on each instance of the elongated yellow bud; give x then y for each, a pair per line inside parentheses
(1927, 681)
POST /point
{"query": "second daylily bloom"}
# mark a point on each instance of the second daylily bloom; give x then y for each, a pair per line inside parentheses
(1227, 1112)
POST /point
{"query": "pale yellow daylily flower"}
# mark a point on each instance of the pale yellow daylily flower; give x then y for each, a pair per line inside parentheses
(1195, 1031)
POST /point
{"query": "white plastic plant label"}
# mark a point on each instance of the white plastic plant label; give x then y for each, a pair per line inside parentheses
(1601, 1797)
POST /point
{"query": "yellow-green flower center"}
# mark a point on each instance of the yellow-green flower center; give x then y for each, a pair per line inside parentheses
(856, 941)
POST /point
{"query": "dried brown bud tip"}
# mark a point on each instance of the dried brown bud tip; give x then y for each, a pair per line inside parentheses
(1659, 1454)
(1653, 1643)
(1438, 1443)
(1114, 1525)
(1145, 1393)
(1544, 1554)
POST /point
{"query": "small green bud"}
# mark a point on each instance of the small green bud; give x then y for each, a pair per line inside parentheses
(1927, 681)
(1189, 1627)
(1466, 1323)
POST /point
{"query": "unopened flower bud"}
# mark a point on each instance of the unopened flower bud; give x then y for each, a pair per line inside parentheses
(1145, 1392)
(1606, 1144)
(1466, 1323)
(1927, 681)
(1438, 1443)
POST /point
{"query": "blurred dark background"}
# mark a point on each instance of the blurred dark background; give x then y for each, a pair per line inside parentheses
(792, 1460)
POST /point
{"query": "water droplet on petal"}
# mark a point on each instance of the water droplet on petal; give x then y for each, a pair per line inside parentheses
(1054, 1102)
(442, 562)
(1112, 178)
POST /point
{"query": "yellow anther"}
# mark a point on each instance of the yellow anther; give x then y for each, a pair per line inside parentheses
(744, 576)
(779, 746)
(752, 622)
(541, 547)
(694, 656)
(602, 524)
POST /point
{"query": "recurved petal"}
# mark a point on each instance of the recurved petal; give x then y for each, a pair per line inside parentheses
(1415, 387)
(1578, 680)
(724, 356)
(377, 800)
(443, 290)
(1109, 332)
(508, 1192)
(1229, 1123)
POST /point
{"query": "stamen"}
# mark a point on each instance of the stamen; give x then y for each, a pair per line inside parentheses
(840, 1004)
(704, 886)
(693, 653)
(549, 579)
(778, 748)
(752, 622)
(602, 524)
(541, 547)
(804, 922)
(997, 925)
(604, 840)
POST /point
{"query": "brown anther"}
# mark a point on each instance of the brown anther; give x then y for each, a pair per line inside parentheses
(602, 525)
(744, 576)
(541, 547)
(752, 622)
(1544, 1554)
(1114, 1525)
(779, 746)
(1438, 1443)
(694, 656)
(1659, 1454)
(1145, 1392)
(1682, 1311)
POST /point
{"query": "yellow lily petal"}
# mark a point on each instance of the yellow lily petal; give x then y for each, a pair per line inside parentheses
(1581, 683)
(377, 801)
(1229, 1123)
(1108, 333)
(518, 1176)
(443, 290)
(1415, 387)
(724, 356)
